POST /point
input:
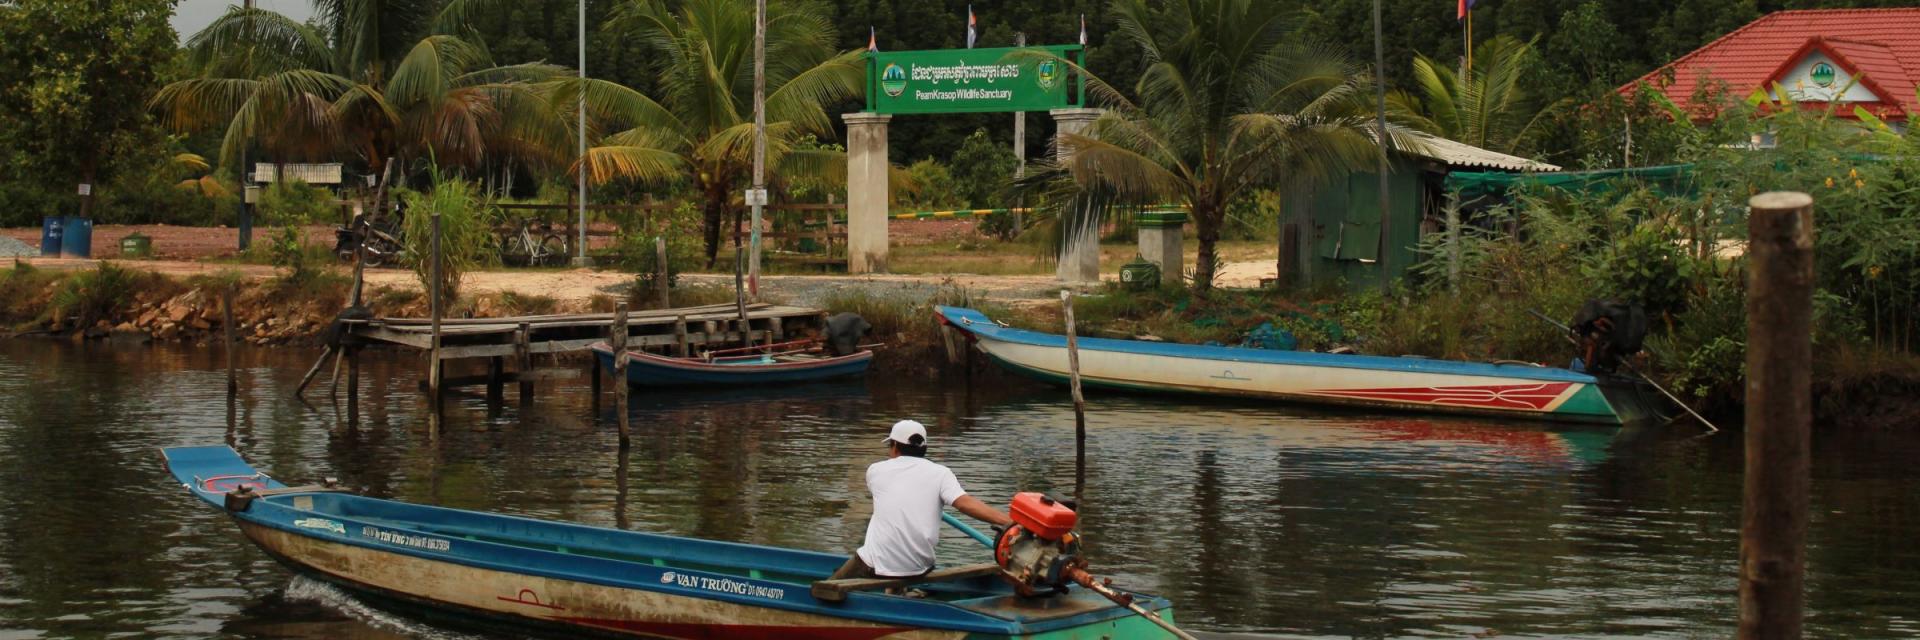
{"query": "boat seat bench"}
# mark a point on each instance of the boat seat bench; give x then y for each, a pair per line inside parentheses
(837, 590)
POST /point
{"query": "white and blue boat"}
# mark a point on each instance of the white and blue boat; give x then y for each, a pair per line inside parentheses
(580, 581)
(1505, 390)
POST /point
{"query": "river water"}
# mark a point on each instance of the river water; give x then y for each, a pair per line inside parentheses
(1253, 519)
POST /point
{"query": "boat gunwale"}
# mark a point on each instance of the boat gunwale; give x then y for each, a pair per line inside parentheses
(983, 327)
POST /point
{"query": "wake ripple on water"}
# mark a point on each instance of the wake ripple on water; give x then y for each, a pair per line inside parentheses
(305, 589)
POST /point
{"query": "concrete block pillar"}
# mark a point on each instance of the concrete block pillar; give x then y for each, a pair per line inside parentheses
(867, 192)
(1080, 263)
(1161, 242)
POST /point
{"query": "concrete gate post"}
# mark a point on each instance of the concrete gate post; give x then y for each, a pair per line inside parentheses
(1161, 242)
(1080, 263)
(866, 192)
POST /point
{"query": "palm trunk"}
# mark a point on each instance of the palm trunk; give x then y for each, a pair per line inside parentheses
(1206, 221)
(711, 221)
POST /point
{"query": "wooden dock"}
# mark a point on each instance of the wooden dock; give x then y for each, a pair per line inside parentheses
(688, 331)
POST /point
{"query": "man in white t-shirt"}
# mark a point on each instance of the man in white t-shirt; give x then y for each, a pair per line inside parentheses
(908, 493)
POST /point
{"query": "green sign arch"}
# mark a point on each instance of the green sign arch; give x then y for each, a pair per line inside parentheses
(973, 80)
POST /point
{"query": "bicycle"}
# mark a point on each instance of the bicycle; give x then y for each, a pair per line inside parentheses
(532, 243)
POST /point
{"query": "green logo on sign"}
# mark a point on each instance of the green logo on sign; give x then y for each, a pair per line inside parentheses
(1048, 74)
(1822, 74)
(893, 80)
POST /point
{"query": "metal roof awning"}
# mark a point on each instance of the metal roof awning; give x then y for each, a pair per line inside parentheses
(1460, 154)
(328, 173)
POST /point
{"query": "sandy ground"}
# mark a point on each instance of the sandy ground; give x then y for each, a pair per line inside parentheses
(182, 251)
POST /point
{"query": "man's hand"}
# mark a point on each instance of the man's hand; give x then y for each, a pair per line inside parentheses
(980, 511)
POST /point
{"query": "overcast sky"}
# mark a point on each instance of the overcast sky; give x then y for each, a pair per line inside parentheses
(193, 15)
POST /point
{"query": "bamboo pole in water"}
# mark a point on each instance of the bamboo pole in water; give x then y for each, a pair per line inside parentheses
(1773, 521)
(1079, 404)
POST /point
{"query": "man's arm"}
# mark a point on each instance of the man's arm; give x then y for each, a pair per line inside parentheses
(980, 511)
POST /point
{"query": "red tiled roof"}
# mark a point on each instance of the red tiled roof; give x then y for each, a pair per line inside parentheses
(1882, 45)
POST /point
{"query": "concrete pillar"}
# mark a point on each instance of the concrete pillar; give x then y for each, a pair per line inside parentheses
(1161, 242)
(866, 192)
(1080, 263)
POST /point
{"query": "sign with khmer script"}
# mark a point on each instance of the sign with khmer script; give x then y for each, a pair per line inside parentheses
(970, 80)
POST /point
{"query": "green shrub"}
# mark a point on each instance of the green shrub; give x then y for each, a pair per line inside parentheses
(466, 233)
(293, 203)
(91, 296)
(680, 227)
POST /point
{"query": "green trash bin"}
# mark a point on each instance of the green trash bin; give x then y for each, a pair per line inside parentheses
(136, 245)
(1139, 275)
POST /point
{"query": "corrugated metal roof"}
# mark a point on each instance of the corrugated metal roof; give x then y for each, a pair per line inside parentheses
(1461, 154)
(326, 173)
(1880, 45)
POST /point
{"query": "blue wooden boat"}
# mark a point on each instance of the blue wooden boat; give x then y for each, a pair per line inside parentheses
(1507, 389)
(579, 580)
(646, 369)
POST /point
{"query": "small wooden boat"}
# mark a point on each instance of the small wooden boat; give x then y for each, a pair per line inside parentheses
(1509, 390)
(577, 580)
(800, 365)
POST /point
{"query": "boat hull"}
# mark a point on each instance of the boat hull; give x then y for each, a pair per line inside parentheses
(1400, 384)
(645, 369)
(572, 580)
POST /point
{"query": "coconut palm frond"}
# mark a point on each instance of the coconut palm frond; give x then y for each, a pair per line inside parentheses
(252, 42)
(607, 163)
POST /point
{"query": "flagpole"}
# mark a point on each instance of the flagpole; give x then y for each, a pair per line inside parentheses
(1469, 38)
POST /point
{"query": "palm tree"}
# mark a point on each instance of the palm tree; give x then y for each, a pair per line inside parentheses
(301, 91)
(701, 127)
(1230, 101)
(1486, 108)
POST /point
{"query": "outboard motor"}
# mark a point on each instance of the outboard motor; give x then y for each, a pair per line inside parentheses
(1040, 555)
(844, 332)
(1609, 332)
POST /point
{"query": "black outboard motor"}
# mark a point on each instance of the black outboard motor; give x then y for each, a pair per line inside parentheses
(844, 333)
(1609, 332)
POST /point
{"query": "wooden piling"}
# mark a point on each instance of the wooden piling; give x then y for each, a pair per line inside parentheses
(434, 311)
(620, 367)
(496, 374)
(662, 276)
(776, 329)
(523, 360)
(1079, 404)
(352, 354)
(226, 327)
(1779, 415)
(680, 347)
(740, 295)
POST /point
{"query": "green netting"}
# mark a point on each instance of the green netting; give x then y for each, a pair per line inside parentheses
(1673, 179)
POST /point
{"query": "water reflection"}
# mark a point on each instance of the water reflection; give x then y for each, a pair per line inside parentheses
(1258, 519)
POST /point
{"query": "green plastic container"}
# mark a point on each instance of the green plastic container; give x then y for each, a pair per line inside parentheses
(1139, 275)
(136, 246)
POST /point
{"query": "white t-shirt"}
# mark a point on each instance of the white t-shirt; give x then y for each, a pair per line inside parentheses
(908, 493)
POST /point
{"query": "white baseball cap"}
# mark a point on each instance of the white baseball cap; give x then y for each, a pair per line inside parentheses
(905, 431)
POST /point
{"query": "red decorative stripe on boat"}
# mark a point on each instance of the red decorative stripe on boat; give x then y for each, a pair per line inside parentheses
(1524, 397)
(697, 631)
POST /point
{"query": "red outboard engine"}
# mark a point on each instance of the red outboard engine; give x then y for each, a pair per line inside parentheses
(1037, 553)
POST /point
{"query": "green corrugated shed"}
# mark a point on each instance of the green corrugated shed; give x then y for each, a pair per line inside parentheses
(1341, 235)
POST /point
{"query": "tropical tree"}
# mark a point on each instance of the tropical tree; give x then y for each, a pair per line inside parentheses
(1231, 100)
(342, 85)
(701, 127)
(1484, 106)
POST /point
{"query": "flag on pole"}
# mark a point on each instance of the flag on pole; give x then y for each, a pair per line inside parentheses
(971, 32)
(1083, 29)
(873, 40)
(1465, 6)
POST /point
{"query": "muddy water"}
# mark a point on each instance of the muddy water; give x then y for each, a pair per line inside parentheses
(1285, 522)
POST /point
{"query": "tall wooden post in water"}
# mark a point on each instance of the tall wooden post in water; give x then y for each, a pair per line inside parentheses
(619, 340)
(433, 307)
(226, 327)
(1079, 404)
(1773, 520)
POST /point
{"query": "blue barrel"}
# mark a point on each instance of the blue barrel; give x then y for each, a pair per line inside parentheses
(51, 228)
(77, 239)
